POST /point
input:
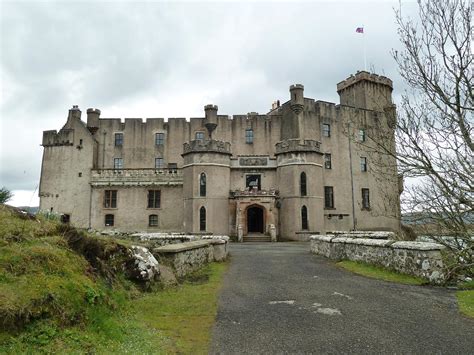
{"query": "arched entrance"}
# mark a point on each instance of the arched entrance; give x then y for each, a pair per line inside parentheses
(255, 219)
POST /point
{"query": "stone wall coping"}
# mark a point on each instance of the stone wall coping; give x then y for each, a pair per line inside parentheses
(341, 240)
(216, 237)
(216, 241)
(368, 242)
(176, 248)
(417, 245)
(323, 238)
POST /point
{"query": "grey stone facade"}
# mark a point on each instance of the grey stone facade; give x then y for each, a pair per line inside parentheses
(305, 167)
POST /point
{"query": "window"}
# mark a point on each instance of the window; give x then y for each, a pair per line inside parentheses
(202, 184)
(118, 163)
(159, 138)
(199, 136)
(304, 218)
(159, 163)
(363, 164)
(249, 136)
(110, 199)
(303, 190)
(118, 139)
(362, 136)
(328, 197)
(327, 161)
(326, 130)
(202, 219)
(154, 198)
(172, 167)
(109, 220)
(153, 220)
(365, 199)
(252, 181)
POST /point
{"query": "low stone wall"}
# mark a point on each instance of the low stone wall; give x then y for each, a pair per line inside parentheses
(187, 257)
(414, 258)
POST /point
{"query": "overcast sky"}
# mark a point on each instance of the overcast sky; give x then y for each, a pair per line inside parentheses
(163, 59)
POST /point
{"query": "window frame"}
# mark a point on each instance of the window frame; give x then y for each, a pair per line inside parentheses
(304, 218)
(202, 219)
(153, 202)
(326, 130)
(199, 133)
(159, 139)
(249, 136)
(118, 163)
(110, 199)
(327, 162)
(303, 184)
(365, 198)
(202, 184)
(118, 142)
(362, 135)
(329, 197)
(109, 217)
(159, 166)
(363, 164)
(153, 220)
(259, 181)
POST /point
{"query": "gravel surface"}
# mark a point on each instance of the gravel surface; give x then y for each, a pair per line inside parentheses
(278, 298)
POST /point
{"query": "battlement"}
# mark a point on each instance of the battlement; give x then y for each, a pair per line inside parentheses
(206, 146)
(298, 145)
(61, 138)
(364, 75)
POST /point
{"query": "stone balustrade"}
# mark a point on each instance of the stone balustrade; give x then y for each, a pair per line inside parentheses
(136, 177)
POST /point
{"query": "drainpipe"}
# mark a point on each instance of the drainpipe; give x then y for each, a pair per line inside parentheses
(349, 133)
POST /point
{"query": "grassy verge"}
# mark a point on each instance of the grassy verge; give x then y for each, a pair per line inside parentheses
(466, 298)
(380, 273)
(59, 293)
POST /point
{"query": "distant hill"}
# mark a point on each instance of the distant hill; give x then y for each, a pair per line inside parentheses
(29, 209)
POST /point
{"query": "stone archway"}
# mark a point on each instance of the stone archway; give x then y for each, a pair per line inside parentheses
(255, 219)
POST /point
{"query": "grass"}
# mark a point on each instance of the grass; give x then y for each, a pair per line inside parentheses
(380, 273)
(466, 302)
(55, 299)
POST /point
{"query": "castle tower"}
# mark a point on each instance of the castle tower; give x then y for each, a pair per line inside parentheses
(366, 91)
(299, 177)
(206, 177)
(93, 116)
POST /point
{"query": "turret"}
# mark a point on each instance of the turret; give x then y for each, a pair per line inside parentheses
(93, 115)
(297, 98)
(366, 91)
(211, 118)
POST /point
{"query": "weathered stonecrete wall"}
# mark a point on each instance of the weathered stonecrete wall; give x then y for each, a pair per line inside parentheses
(414, 258)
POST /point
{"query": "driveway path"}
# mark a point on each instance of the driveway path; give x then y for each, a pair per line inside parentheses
(279, 298)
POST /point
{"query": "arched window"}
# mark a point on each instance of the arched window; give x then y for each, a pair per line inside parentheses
(304, 218)
(153, 220)
(303, 189)
(202, 184)
(202, 218)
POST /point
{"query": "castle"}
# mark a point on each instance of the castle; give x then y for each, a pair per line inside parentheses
(305, 167)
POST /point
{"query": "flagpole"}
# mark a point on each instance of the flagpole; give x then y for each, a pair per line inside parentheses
(365, 49)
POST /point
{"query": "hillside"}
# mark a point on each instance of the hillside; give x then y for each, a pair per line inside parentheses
(62, 290)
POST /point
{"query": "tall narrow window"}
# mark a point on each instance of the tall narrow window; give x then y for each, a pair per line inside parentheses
(109, 220)
(110, 199)
(365, 199)
(202, 185)
(199, 136)
(363, 164)
(153, 220)
(159, 138)
(327, 161)
(118, 139)
(202, 219)
(118, 163)
(303, 189)
(154, 199)
(159, 163)
(304, 218)
(249, 136)
(362, 136)
(326, 130)
(328, 197)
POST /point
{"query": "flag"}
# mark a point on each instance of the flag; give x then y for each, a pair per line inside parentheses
(360, 29)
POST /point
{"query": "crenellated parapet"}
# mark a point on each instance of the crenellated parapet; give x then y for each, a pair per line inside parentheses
(361, 76)
(64, 137)
(206, 146)
(298, 145)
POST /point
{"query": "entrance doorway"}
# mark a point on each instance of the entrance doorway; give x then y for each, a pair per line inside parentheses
(255, 220)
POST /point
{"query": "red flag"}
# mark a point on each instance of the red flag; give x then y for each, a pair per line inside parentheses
(360, 29)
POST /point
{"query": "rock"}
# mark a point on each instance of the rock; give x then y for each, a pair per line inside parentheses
(143, 266)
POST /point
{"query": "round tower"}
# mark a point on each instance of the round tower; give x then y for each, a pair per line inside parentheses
(93, 115)
(297, 98)
(210, 122)
(299, 176)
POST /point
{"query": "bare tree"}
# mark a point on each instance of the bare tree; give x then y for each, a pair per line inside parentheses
(434, 133)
